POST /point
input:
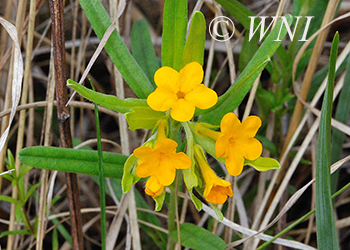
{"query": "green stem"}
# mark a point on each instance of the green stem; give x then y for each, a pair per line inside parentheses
(177, 187)
(172, 208)
(171, 216)
(101, 179)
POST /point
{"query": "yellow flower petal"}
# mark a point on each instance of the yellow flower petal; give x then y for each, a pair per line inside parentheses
(218, 191)
(202, 97)
(221, 146)
(208, 187)
(167, 78)
(182, 110)
(250, 126)
(166, 172)
(153, 187)
(143, 152)
(229, 123)
(166, 144)
(251, 148)
(147, 168)
(181, 160)
(161, 99)
(234, 163)
(190, 76)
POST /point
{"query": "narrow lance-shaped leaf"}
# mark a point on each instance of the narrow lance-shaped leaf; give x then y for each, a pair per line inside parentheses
(238, 10)
(325, 223)
(108, 101)
(174, 32)
(342, 115)
(116, 49)
(72, 160)
(194, 47)
(263, 163)
(142, 48)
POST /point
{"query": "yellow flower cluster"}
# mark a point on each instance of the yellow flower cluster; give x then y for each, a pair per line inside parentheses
(180, 93)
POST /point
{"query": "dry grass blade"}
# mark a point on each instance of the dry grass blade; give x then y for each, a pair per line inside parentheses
(113, 230)
(7, 172)
(17, 76)
(44, 204)
(239, 228)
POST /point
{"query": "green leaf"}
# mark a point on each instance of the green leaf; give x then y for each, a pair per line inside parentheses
(30, 192)
(128, 177)
(263, 163)
(142, 48)
(55, 245)
(102, 180)
(10, 199)
(249, 47)
(174, 32)
(189, 175)
(236, 93)
(196, 237)
(341, 115)
(72, 160)
(159, 201)
(143, 117)
(238, 10)
(22, 172)
(62, 230)
(116, 49)
(108, 101)
(194, 47)
(14, 232)
(217, 212)
(197, 202)
(325, 223)
(11, 160)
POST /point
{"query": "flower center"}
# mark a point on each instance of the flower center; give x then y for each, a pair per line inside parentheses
(180, 95)
(231, 140)
(161, 154)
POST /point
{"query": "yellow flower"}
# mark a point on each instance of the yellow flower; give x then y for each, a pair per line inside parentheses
(216, 189)
(181, 92)
(153, 187)
(237, 142)
(161, 162)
